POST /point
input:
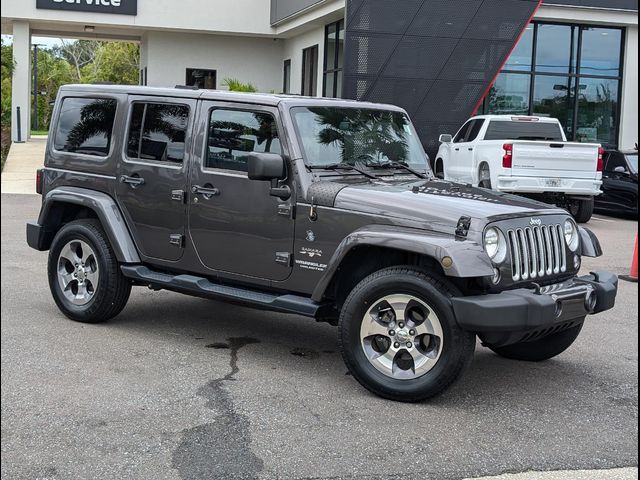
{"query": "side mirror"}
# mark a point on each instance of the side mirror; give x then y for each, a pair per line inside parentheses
(269, 167)
(445, 138)
(620, 170)
(266, 167)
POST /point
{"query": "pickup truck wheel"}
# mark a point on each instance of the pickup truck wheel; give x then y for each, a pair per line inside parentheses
(540, 350)
(485, 177)
(84, 275)
(399, 337)
(582, 210)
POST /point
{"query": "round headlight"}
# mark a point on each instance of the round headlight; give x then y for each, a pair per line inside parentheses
(571, 235)
(495, 244)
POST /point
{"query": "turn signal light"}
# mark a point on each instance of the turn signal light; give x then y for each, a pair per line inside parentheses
(600, 159)
(507, 159)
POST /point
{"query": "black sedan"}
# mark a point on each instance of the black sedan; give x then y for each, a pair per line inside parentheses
(619, 182)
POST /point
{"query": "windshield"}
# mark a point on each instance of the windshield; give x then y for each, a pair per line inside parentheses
(633, 161)
(338, 135)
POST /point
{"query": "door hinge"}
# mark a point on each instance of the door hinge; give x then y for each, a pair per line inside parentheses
(286, 210)
(177, 196)
(284, 258)
(177, 240)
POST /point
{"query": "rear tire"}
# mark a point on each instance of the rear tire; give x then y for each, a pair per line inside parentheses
(582, 210)
(84, 276)
(540, 350)
(484, 176)
(439, 169)
(399, 337)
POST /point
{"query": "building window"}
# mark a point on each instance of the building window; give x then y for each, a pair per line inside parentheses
(286, 81)
(157, 132)
(85, 126)
(201, 78)
(565, 71)
(333, 59)
(310, 71)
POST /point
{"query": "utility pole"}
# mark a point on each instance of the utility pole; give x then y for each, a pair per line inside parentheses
(36, 121)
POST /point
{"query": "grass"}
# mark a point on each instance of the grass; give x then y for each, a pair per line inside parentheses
(39, 132)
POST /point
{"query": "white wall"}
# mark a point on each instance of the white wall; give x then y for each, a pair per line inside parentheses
(250, 60)
(629, 118)
(21, 81)
(293, 51)
(237, 16)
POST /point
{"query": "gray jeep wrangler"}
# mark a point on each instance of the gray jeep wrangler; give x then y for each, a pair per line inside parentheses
(320, 208)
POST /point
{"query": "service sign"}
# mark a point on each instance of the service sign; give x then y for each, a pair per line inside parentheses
(123, 7)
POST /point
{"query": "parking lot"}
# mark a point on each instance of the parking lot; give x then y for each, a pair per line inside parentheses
(185, 388)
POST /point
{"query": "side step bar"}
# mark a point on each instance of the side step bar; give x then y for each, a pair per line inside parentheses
(202, 287)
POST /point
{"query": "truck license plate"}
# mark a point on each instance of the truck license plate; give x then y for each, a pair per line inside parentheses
(553, 182)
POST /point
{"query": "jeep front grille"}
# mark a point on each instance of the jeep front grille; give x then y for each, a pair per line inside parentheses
(537, 252)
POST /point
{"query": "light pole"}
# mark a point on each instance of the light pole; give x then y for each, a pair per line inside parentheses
(36, 121)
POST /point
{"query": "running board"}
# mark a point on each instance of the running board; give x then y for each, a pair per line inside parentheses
(202, 287)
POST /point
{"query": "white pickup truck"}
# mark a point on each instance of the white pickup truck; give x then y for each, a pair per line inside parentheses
(524, 155)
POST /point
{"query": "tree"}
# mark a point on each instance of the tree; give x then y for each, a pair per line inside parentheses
(235, 85)
(114, 62)
(78, 53)
(53, 72)
(6, 55)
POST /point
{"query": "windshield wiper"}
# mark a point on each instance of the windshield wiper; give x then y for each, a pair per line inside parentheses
(343, 166)
(398, 165)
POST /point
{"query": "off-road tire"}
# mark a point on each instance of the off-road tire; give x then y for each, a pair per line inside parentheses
(540, 350)
(582, 210)
(113, 289)
(458, 345)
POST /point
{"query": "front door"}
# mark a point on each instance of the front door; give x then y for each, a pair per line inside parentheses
(236, 226)
(152, 174)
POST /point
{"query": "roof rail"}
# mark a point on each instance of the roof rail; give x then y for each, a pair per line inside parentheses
(187, 87)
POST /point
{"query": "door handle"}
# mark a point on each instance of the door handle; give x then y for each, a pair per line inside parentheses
(471, 149)
(134, 181)
(207, 191)
(457, 149)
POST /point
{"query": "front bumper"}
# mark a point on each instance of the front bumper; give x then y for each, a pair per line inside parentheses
(515, 315)
(567, 186)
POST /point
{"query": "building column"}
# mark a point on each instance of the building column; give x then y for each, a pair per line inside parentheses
(629, 97)
(21, 82)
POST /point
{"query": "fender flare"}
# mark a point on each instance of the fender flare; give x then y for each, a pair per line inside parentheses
(589, 243)
(469, 258)
(107, 211)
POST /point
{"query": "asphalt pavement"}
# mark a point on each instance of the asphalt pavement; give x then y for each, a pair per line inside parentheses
(184, 388)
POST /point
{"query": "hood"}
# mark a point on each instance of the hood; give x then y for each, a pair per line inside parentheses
(439, 203)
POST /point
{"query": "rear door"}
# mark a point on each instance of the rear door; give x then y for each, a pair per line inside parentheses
(152, 174)
(619, 189)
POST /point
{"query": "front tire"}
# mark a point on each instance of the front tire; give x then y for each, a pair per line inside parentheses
(84, 276)
(582, 210)
(399, 337)
(540, 350)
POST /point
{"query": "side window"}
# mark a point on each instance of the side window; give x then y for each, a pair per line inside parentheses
(462, 133)
(157, 132)
(233, 134)
(474, 131)
(85, 126)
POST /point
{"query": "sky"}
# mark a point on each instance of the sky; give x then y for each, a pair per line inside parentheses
(48, 42)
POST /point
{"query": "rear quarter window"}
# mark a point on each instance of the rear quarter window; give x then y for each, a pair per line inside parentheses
(85, 126)
(505, 130)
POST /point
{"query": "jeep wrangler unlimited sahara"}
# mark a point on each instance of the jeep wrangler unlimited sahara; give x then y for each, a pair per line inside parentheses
(316, 207)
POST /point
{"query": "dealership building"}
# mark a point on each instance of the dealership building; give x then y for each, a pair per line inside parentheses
(442, 60)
